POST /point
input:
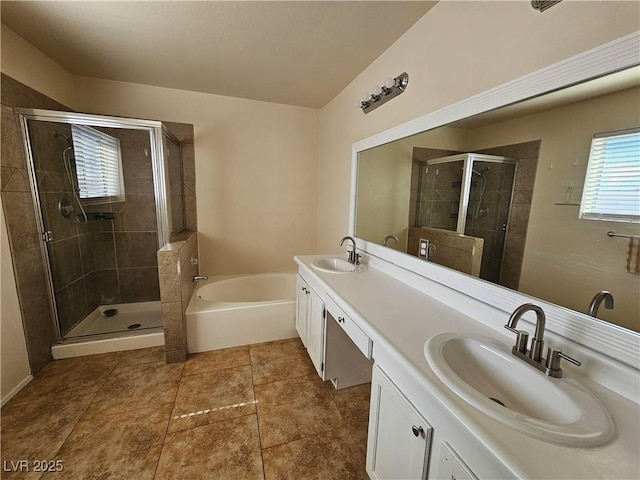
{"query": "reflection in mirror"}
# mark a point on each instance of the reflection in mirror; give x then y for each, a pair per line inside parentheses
(514, 222)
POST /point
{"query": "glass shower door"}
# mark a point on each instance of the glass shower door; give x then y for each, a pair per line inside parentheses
(100, 241)
(52, 153)
(439, 190)
(490, 199)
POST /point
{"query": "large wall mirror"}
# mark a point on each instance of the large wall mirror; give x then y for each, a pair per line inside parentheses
(497, 196)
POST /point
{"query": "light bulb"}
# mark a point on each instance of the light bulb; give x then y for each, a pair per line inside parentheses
(377, 90)
(366, 97)
(389, 82)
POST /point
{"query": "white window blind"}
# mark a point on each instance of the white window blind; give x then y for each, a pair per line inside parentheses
(98, 165)
(612, 184)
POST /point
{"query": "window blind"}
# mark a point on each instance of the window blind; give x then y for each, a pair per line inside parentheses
(98, 165)
(612, 184)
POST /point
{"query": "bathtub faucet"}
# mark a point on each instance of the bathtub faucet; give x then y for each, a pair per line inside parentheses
(197, 278)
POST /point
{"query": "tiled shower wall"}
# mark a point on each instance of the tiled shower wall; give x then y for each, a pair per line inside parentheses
(527, 154)
(24, 236)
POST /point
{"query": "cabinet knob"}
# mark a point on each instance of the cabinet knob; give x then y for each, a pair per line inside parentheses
(417, 431)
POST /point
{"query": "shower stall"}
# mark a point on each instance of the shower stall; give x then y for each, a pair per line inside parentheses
(108, 194)
(470, 194)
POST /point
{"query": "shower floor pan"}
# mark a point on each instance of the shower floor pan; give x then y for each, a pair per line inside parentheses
(129, 317)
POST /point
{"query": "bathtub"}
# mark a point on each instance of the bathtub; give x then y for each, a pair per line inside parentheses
(231, 311)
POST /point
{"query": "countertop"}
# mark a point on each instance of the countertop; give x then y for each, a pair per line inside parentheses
(400, 319)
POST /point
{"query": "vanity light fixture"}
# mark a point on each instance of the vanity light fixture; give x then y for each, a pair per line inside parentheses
(391, 88)
(542, 5)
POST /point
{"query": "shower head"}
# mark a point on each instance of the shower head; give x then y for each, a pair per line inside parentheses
(481, 172)
(57, 134)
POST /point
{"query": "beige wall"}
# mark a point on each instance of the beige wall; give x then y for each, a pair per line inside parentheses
(14, 363)
(455, 51)
(30, 66)
(384, 184)
(568, 260)
(256, 168)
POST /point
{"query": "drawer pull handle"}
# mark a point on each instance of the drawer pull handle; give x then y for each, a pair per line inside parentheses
(340, 319)
(417, 431)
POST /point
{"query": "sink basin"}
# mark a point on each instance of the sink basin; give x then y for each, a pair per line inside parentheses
(484, 373)
(336, 265)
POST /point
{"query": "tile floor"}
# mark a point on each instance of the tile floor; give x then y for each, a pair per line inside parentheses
(252, 412)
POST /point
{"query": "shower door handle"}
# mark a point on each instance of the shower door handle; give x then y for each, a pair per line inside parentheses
(47, 236)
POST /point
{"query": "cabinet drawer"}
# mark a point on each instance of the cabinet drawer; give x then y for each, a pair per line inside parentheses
(357, 336)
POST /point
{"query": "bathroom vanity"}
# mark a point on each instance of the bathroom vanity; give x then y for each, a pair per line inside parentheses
(419, 427)
(449, 396)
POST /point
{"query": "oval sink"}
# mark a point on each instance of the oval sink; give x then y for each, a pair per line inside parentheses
(336, 265)
(483, 372)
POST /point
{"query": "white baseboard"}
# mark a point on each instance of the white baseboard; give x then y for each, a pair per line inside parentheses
(15, 390)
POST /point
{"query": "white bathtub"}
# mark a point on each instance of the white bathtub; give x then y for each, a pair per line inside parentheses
(231, 311)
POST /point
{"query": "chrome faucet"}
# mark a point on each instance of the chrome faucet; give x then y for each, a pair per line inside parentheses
(551, 365)
(354, 257)
(597, 300)
(390, 237)
(198, 278)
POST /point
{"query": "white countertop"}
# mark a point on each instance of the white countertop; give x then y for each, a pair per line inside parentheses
(400, 319)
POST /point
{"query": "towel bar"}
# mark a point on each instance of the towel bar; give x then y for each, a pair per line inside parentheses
(611, 233)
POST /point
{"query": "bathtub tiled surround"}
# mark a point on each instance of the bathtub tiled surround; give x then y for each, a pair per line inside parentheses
(128, 415)
(176, 271)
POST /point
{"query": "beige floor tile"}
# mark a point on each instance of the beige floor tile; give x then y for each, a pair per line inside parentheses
(139, 386)
(36, 431)
(141, 356)
(217, 360)
(126, 445)
(353, 405)
(213, 396)
(225, 450)
(327, 456)
(293, 409)
(69, 377)
(279, 361)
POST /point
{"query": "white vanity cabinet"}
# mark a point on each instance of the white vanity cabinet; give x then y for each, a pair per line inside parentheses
(399, 439)
(310, 323)
(339, 350)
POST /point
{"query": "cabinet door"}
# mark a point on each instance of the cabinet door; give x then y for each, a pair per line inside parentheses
(302, 308)
(315, 332)
(399, 438)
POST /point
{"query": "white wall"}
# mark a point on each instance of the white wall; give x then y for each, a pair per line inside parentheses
(14, 363)
(456, 50)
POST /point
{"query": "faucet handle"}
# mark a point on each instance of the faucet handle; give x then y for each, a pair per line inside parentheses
(554, 355)
(521, 340)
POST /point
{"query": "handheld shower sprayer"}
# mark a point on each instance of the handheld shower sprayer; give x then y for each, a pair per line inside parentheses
(67, 155)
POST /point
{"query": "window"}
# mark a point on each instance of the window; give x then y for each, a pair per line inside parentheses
(612, 185)
(98, 165)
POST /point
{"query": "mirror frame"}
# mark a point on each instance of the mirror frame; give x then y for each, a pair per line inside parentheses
(616, 342)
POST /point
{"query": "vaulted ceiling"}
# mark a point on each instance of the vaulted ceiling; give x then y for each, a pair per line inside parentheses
(293, 52)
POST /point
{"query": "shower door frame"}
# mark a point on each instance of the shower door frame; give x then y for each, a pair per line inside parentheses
(465, 187)
(161, 194)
